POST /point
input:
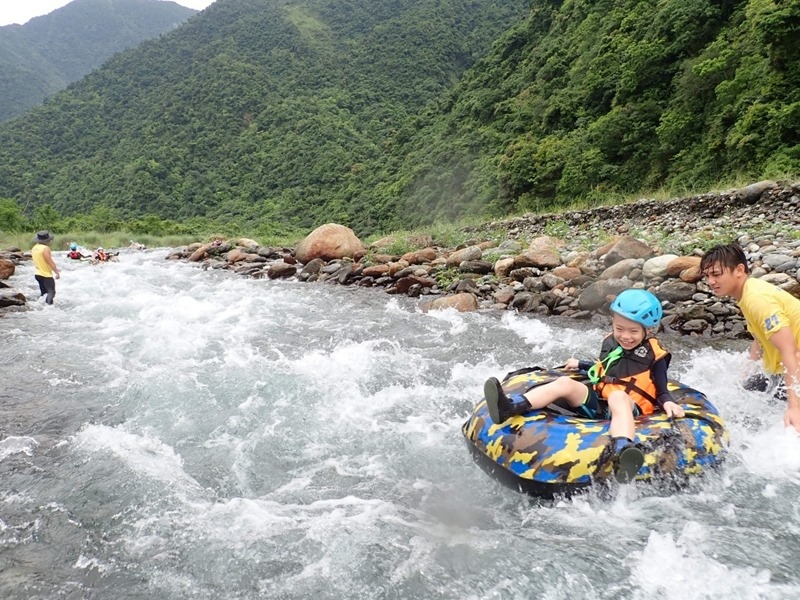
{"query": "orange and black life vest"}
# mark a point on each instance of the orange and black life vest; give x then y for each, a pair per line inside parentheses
(629, 371)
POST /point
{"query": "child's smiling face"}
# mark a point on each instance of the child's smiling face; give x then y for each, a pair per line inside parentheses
(628, 334)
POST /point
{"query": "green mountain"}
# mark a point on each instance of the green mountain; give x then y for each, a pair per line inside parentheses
(392, 113)
(47, 53)
(591, 97)
(270, 110)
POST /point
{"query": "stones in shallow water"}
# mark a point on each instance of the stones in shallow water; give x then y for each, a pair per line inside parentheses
(586, 275)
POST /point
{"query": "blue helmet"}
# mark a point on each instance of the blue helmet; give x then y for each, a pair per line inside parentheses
(73, 246)
(638, 305)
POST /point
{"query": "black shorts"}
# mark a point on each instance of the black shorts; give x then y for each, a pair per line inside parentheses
(772, 385)
(596, 408)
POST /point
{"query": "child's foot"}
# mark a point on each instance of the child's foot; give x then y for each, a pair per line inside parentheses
(629, 461)
(496, 400)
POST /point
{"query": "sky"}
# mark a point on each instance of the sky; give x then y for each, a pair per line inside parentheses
(20, 11)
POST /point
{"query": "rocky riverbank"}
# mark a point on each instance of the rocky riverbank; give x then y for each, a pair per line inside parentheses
(567, 265)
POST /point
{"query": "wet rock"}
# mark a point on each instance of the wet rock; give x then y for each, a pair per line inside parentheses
(695, 326)
(675, 291)
(11, 297)
(526, 301)
(475, 266)
(7, 268)
(464, 302)
(466, 254)
(600, 293)
(281, 270)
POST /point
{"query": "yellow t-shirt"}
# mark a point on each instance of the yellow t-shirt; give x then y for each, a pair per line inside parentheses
(767, 309)
(42, 268)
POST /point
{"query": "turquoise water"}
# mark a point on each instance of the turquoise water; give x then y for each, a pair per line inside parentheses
(169, 432)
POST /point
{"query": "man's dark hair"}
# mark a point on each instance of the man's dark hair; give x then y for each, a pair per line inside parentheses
(728, 256)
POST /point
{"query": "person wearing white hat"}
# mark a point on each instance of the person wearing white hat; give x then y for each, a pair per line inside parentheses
(46, 268)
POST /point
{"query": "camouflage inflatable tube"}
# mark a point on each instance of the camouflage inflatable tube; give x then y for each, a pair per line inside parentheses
(553, 452)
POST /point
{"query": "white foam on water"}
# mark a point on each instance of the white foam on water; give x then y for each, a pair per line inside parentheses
(17, 445)
(555, 342)
(457, 320)
(679, 569)
(85, 562)
(142, 454)
(773, 453)
(303, 438)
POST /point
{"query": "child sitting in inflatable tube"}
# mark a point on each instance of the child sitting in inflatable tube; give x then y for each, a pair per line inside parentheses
(74, 253)
(629, 379)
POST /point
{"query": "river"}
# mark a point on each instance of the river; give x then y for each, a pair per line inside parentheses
(170, 433)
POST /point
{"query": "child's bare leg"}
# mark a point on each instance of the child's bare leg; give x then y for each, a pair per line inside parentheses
(571, 390)
(620, 405)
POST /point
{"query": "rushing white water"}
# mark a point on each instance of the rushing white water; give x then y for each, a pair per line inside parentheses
(169, 432)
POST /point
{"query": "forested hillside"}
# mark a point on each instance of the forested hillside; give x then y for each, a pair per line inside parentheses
(374, 113)
(47, 53)
(590, 97)
(268, 110)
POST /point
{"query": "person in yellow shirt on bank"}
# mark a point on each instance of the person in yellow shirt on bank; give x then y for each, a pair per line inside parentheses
(772, 315)
(46, 268)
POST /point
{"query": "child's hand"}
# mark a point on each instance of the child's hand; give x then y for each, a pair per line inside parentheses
(673, 410)
(571, 364)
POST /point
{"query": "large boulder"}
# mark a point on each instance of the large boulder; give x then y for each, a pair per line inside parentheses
(621, 269)
(678, 265)
(543, 253)
(600, 293)
(465, 254)
(628, 247)
(329, 242)
(464, 302)
(753, 192)
(658, 266)
(7, 268)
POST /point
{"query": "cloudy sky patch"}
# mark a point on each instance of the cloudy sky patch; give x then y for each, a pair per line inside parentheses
(20, 11)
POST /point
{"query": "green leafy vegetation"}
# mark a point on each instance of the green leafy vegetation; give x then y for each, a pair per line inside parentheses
(275, 116)
(588, 100)
(266, 114)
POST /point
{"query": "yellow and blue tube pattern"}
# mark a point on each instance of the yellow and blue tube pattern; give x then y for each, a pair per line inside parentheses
(546, 453)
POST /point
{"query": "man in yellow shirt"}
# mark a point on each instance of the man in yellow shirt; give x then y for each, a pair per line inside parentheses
(772, 315)
(45, 266)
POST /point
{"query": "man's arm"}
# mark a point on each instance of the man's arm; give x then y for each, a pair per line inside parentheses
(48, 258)
(783, 340)
(755, 351)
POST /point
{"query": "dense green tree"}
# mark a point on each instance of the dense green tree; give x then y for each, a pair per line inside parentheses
(279, 115)
(11, 219)
(254, 111)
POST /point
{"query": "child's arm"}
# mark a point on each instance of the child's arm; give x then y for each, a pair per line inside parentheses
(663, 396)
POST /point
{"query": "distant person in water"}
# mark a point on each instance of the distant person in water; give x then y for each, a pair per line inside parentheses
(772, 315)
(629, 379)
(46, 270)
(137, 246)
(100, 255)
(74, 253)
